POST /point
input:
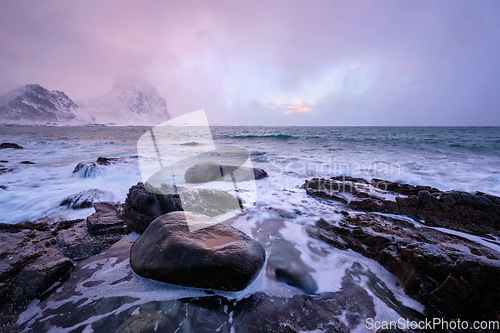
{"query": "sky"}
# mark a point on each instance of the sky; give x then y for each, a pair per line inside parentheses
(317, 62)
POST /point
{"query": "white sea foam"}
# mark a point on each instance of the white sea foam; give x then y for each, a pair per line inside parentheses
(443, 158)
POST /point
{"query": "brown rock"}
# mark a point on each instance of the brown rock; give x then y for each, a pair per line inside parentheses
(217, 257)
(448, 274)
(108, 218)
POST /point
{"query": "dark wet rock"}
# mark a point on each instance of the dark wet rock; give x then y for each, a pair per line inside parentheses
(91, 169)
(334, 185)
(451, 276)
(259, 173)
(28, 269)
(336, 196)
(33, 263)
(5, 145)
(35, 280)
(292, 315)
(4, 161)
(285, 265)
(27, 162)
(282, 213)
(142, 206)
(207, 172)
(6, 169)
(299, 313)
(3, 187)
(340, 311)
(299, 279)
(85, 170)
(106, 160)
(145, 202)
(476, 213)
(85, 199)
(77, 243)
(405, 189)
(108, 218)
(216, 257)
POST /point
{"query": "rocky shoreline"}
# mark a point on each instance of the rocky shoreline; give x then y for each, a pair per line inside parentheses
(417, 233)
(450, 274)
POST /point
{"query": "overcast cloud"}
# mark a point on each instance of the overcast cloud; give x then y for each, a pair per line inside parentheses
(314, 62)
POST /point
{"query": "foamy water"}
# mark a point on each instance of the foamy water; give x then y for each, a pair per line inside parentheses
(447, 158)
(111, 278)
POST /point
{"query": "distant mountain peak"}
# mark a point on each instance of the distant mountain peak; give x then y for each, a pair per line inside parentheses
(34, 104)
(131, 101)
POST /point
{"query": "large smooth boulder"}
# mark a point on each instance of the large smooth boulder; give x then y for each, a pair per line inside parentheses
(216, 257)
(207, 172)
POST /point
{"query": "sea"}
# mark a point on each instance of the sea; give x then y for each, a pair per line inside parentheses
(447, 158)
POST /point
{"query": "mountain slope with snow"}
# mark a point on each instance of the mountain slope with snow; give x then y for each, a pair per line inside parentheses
(33, 104)
(130, 102)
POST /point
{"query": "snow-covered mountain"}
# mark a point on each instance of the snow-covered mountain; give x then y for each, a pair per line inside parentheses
(129, 102)
(33, 104)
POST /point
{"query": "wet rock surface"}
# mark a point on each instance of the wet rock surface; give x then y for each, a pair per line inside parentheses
(37, 257)
(477, 213)
(35, 280)
(340, 311)
(107, 219)
(262, 313)
(106, 160)
(76, 242)
(284, 263)
(90, 169)
(85, 170)
(216, 257)
(450, 275)
(85, 199)
(29, 268)
(142, 206)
